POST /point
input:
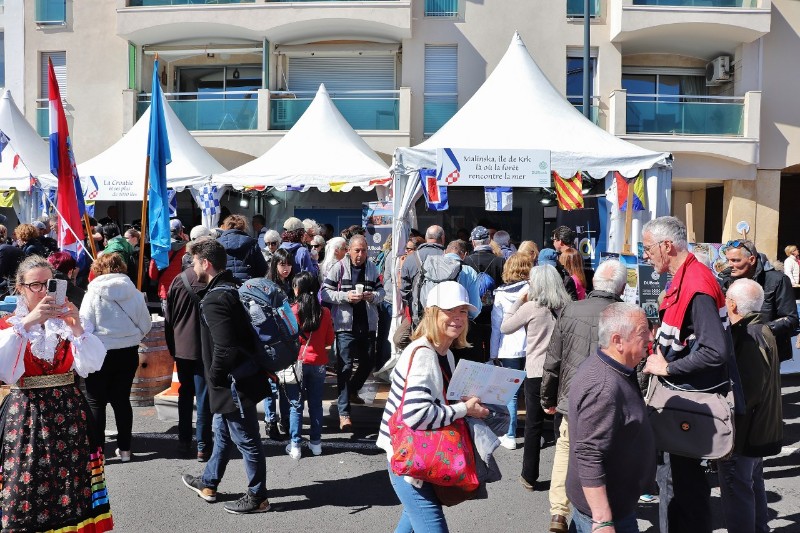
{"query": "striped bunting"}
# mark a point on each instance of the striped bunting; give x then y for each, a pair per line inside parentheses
(568, 192)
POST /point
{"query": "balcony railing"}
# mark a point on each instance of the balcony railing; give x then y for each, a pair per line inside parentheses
(364, 110)
(441, 8)
(439, 108)
(147, 3)
(594, 107)
(697, 3)
(575, 8)
(43, 118)
(685, 115)
(211, 111)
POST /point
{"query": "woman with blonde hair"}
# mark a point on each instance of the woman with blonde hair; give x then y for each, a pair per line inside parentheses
(530, 248)
(535, 315)
(118, 315)
(509, 349)
(572, 261)
(423, 372)
(791, 267)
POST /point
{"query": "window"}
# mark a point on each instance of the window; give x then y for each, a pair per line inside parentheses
(59, 60)
(441, 8)
(575, 8)
(668, 101)
(51, 11)
(131, 66)
(441, 86)
(575, 79)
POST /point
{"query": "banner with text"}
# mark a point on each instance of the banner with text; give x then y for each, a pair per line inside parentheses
(495, 168)
(120, 189)
(376, 218)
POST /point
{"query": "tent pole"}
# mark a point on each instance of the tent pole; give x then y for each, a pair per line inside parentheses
(89, 235)
(144, 224)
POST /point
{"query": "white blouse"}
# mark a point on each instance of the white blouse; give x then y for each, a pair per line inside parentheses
(88, 353)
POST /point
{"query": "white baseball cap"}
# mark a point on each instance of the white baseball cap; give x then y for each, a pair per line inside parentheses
(449, 295)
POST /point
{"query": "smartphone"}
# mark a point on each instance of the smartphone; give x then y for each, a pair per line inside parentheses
(57, 288)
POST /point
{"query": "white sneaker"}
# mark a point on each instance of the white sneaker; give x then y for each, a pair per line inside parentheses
(124, 456)
(509, 443)
(316, 449)
(293, 449)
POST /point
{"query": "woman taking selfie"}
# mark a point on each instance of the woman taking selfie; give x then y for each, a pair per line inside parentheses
(420, 388)
(52, 462)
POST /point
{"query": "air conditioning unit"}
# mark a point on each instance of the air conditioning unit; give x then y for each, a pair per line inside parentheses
(718, 71)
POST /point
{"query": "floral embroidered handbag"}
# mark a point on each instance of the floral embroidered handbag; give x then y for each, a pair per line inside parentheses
(442, 456)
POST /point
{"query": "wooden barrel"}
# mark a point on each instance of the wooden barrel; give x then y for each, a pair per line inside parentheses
(154, 374)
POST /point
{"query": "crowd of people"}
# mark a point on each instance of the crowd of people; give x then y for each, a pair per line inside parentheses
(588, 359)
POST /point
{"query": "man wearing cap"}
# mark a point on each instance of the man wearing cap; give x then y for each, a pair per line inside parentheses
(292, 237)
(49, 243)
(779, 309)
(176, 252)
(483, 260)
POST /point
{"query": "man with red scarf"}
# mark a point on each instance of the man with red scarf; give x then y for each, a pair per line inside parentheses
(694, 351)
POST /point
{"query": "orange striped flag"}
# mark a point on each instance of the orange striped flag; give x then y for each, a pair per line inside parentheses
(568, 192)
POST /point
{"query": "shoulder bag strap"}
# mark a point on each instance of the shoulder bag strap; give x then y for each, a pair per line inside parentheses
(305, 347)
(192, 295)
(405, 385)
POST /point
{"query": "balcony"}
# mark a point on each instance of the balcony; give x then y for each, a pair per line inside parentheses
(159, 21)
(243, 110)
(441, 8)
(373, 110)
(719, 126)
(711, 26)
(50, 12)
(577, 103)
(575, 8)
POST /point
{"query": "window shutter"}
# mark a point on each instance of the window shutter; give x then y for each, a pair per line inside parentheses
(60, 67)
(441, 86)
(362, 73)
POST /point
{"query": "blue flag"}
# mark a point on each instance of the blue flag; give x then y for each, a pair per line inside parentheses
(157, 195)
(435, 194)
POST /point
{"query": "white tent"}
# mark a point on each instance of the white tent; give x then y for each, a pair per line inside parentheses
(26, 155)
(518, 108)
(322, 150)
(119, 171)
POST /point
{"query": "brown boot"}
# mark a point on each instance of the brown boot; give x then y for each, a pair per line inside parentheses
(345, 424)
(558, 524)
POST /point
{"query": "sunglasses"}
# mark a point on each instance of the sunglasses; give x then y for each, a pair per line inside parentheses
(272, 244)
(316, 246)
(740, 244)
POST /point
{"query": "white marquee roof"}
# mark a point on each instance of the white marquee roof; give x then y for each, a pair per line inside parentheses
(518, 108)
(33, 151)
(322, 150)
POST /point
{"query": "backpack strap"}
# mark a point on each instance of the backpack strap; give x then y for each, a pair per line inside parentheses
(192, 295)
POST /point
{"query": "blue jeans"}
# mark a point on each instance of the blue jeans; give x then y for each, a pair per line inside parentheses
(193, 385)
(351, 346)
(517, 363)
(312, 387)
(232, 428)
(744, 500)
(422, 512)
(270, 414)
(582, 523)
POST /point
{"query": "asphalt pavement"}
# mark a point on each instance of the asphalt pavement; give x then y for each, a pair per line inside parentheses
(347, 487)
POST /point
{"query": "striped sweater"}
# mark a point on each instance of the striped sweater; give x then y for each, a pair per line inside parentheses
(424, 407)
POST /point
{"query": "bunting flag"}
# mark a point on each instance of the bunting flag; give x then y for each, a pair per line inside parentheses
(69, 200)
(159, 157)
(435, 194)
(209, 200)
(448, 169)
(569, 191)
(173, 203)
(4, 140)
(498, 198)
(639, 196)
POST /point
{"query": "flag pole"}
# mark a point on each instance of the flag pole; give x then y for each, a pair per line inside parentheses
(626, 248)
(89, 234)
(144, 224)
(60, 216)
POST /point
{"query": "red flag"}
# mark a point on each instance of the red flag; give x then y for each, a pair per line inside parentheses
(569, 192)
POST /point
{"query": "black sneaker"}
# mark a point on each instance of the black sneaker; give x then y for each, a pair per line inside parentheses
(248, 504)
(196, 484)
(272, 432)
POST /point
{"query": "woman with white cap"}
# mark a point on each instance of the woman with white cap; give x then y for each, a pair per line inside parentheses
(444, 325)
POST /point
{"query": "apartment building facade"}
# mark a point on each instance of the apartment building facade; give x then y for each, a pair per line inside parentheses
(708, 80)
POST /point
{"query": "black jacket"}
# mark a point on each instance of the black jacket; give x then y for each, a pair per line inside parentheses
(182, 317)
(228, 339)
(574, 339)
(245, 259)
(779, 311)
(759, 432)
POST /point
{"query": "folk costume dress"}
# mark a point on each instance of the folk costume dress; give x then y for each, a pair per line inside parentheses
(52, 467)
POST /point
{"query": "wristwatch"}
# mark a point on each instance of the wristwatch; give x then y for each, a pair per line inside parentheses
(666, 369)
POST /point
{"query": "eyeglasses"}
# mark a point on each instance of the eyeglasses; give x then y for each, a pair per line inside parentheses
(648, 248)
(740, 244)
(272, 244)
(35, 286)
